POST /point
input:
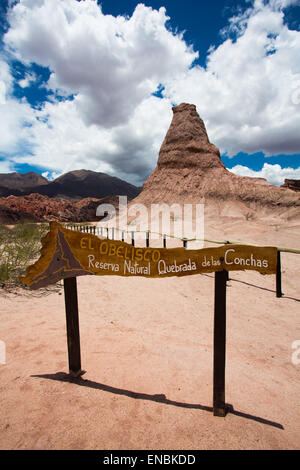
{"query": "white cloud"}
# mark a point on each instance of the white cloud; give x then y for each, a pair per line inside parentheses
(6, 166)
(248, 94)
(27, 80)
(5, 81)
(112, 66)
(274, 174)
(63, 142)
(111, 63)
(280, 4)
(50, 175)
(16, 117)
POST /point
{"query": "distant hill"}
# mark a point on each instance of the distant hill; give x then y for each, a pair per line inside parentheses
(85, 183)
(16, 183)
(73, 185)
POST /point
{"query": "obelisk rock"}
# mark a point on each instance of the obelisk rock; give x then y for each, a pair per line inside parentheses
(190, 170)
(186, 144)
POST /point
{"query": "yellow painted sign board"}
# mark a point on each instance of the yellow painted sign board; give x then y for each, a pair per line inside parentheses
(67, 253)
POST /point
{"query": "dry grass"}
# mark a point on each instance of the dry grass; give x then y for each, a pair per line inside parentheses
(19, 246)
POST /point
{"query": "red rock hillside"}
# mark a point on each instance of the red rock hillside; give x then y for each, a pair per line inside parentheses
(38, 208)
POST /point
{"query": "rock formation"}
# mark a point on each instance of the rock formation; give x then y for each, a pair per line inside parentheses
(291, 184)
(39, 208)
(190, 170)
(72, 197)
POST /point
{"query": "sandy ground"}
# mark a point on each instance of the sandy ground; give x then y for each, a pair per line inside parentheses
(146, 347)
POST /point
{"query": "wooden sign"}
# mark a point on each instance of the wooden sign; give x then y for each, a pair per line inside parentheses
(67, 253)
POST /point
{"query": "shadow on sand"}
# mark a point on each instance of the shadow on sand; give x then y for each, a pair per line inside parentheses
(160, 398)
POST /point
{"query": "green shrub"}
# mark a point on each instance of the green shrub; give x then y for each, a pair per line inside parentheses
(19, 247)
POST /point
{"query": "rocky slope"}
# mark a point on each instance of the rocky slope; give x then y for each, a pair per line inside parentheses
(292, 184)
(190, 170)
(73, 197)
(39, 208)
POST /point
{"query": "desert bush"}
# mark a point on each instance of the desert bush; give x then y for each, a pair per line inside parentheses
(19, 247)
(250, 216)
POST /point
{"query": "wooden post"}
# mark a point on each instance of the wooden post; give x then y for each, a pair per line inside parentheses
(278, 276)
(219, 407)
(71, 303)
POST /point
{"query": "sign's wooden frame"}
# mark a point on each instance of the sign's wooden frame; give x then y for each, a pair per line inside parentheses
(66, 253)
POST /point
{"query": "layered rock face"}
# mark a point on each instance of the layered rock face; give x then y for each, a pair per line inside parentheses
(73, 197)
(186, 144)
(292, 184)
(190, 170)
(39, 208)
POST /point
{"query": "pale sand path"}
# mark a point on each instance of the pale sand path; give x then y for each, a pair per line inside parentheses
(145, 339)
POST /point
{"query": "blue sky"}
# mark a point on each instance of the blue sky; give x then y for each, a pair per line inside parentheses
(91, 84)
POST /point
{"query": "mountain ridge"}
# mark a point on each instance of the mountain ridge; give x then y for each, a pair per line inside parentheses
(73, 185)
